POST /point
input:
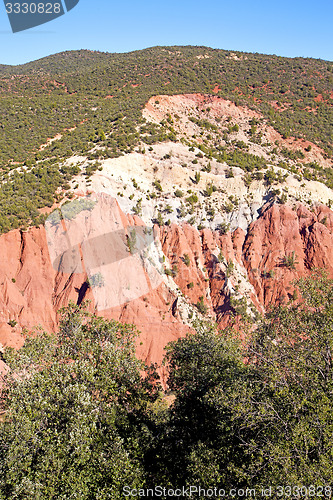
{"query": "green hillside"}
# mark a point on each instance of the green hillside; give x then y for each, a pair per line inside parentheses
(102, 96)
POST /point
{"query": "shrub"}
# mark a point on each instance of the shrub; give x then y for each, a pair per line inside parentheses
(289, 261)
(207, 168)
(138, 207)
(171, 272)
(157, 185)
(247, 180)
(229, 269)
(179, 193)
(210, 189)
(186, 259)
(228, 207)
(268, 274)
(201, 306)
(224, 227)
(192, 199)
(159, 220)
(96, 280)
(229, 174)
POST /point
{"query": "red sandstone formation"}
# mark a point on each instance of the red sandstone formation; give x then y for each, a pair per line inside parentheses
(31, 291)
(159, 106)
(303, 236)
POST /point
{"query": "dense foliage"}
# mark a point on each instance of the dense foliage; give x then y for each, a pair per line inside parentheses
(73, 411)
(95, 100)
(266, 421)
(78, 420)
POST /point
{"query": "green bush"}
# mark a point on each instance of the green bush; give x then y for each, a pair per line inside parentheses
(186, 259)
(197, 177)
(230, 268)
(201, 306)
(289, 260)
(157, 185)
(192, 199)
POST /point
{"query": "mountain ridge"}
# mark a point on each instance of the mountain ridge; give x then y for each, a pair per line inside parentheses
(105, 54)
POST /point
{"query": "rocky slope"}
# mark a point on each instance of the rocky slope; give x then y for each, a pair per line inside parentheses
(184, 111)
(235, 273)
(231, 239)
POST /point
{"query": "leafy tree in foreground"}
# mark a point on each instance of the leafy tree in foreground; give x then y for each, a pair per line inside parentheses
(286, 419)
(79, 421)
(196, 444)
(74, 407)
(257, 416)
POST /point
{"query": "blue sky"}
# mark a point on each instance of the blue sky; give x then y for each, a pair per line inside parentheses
(288, 28)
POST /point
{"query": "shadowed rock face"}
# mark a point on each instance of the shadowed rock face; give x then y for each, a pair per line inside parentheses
(284, 243)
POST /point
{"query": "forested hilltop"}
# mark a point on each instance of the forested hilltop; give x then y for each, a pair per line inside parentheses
(93, 98)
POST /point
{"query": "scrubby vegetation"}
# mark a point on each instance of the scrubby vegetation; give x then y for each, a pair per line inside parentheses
(94, 101)
(79, 420)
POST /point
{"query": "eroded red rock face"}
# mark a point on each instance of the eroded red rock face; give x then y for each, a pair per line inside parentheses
(303, 236)
(31, 291)
(284, 244)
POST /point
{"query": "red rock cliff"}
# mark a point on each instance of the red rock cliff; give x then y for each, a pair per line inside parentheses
(31, 291)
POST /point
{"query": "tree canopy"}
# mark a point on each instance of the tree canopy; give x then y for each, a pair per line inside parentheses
(73, 404)
(80, 420)
(259, 414)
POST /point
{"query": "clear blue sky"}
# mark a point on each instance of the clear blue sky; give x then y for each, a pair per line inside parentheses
(288, 28)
